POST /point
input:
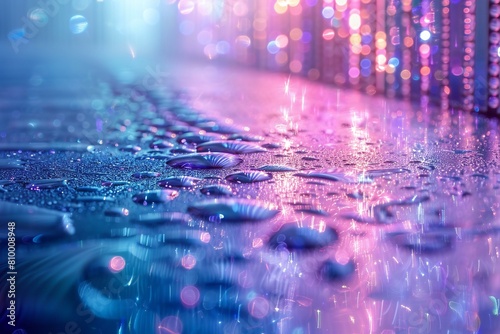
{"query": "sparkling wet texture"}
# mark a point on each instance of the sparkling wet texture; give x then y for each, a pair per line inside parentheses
(230, 201)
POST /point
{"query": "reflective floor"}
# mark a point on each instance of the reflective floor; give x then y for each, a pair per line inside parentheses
(190, 198)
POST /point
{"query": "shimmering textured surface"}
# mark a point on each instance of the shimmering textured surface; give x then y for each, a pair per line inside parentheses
(390, 224)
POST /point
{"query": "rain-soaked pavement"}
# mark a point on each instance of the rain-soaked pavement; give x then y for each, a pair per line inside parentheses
(198, 199)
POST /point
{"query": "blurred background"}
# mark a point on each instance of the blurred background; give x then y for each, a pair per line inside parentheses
(445, 51)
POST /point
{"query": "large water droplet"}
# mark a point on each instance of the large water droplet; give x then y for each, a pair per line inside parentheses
(130, 148)
(11, 164)
(155, 196)
(248, 177)
(245, 137)
(217, 190)
(114, 183)
(334, 175)
(234, 210)
(160, 144)
(179, 181)
(88, 189)
(292, 237)
(234, 147)
(194, 138)
(422, 243)
(31, 221)
(276, 168)
(47, 184)
(373, 173)
(205, 161)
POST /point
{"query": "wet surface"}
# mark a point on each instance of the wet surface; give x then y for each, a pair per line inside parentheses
(228, 201)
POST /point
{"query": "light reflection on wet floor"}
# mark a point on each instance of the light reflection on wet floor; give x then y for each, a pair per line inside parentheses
(243, 202)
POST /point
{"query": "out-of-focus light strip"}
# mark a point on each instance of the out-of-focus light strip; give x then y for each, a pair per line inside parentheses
(494, 57)
(424, 49)
(445, 55)
(380, 45)
(469, 48)
(354, 22)
(390, 69)
(407, 42)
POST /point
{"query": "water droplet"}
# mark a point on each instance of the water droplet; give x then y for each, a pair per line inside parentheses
(182, 150)
(427, 167)
(312, 211)
(233, 210)
(422, 243)
(217, 127)
(155, 196)
(145, 175)
(11, 164)
(161, 218)
(179, 129)
(95, 199)
(179, 181)
(333, 271)
(245, 137)
(271, 146)
(217, 190)
(461, 151)
(373, 173)
(114, 183)
(194, 138)
(452, 178)
(309, 158)
(47, 184)
(234, 147)
(276, 168)
(292, 237)
(334, 175)
(117, 212)
(249, 177)
(160, 144)
(480, 176)
(205, 161)
(356, 195)
(130, 148)
(88, 189)
(33, 221)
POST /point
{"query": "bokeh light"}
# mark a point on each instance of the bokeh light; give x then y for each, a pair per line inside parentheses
(116, 264)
